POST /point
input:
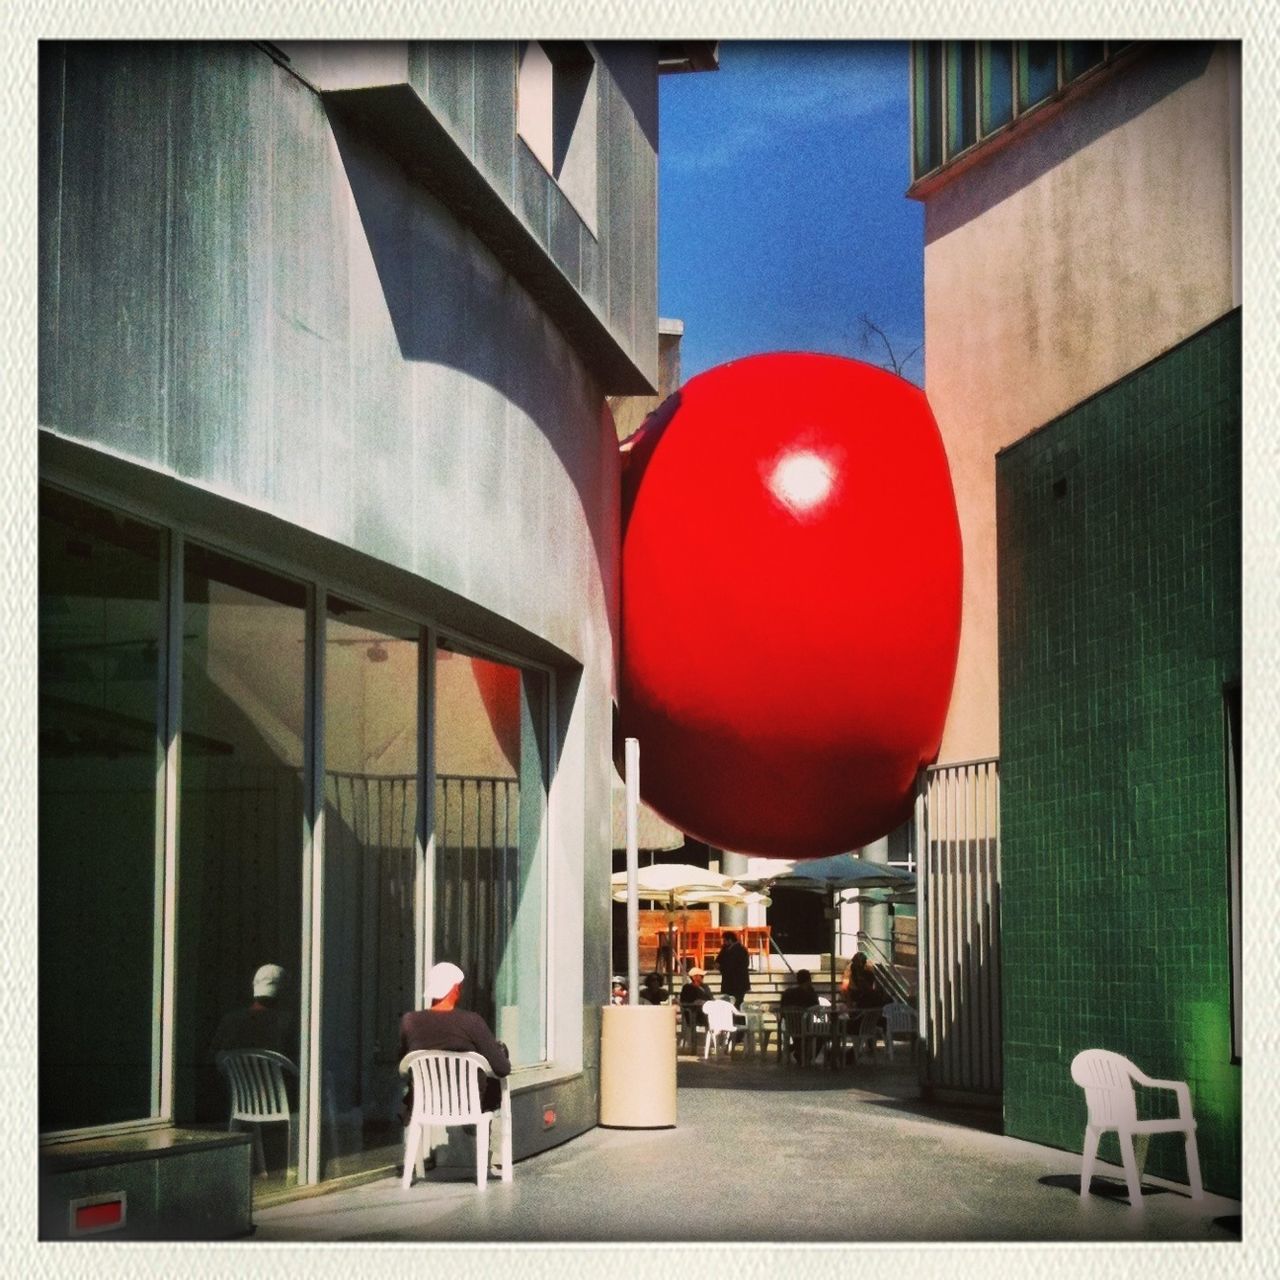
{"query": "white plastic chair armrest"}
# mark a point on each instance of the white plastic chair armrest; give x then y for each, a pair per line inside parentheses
(1179, 1088)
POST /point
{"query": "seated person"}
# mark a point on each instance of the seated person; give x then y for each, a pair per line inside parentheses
(794, 1001)
(444, 1026)
(653, 992)
(619, 995)
(262, 1024)
(693, 996)
(803, 995)
(860, 989)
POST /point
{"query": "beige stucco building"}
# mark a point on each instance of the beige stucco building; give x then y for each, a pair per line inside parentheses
(1080, 240)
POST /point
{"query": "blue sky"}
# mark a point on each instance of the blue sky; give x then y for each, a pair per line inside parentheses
(782, 216)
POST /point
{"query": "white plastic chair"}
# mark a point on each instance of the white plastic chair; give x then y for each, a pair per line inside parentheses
(865, 1030)
(899, 1020)
(255, 1078)
(817, 1031)
(447, 1092)
(1107, 1080)
(720, 1022)
(761, 1024)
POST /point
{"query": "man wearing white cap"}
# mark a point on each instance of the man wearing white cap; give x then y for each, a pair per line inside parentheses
(444, 1026)
(261, 1025)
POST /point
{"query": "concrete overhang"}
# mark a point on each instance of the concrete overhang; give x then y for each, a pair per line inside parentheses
(677, 56)
(365, 89)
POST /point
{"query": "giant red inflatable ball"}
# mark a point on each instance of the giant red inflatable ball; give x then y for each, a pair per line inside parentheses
(791, 575)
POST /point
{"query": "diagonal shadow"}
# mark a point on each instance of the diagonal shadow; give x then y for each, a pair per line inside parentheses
(1102, 1187)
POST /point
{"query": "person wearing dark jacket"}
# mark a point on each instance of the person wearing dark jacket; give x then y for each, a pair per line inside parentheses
(444, 1026)
(734, 963)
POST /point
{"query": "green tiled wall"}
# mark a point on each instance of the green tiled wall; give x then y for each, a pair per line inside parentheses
(1119, 623)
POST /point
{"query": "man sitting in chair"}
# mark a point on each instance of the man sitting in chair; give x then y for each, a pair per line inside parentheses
(261, 1025)
(444, 1026)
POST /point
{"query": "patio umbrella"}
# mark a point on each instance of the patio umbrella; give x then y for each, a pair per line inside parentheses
(834, 876)
(679, 884)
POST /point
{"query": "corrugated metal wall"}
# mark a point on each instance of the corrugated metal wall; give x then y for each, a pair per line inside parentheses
(958, 866)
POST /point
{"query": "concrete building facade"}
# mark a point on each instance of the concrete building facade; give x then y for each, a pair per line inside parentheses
(328, 573)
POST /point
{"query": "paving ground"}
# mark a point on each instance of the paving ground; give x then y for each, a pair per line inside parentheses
(769, 1153)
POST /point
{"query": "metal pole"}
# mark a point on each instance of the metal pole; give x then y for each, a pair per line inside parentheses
(632, 780)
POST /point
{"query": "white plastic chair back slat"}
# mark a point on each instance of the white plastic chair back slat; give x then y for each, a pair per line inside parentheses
(256, 1080)
(447, 1092)
(1108, 1088)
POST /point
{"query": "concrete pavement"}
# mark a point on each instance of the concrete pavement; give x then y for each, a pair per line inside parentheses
(763, 1152)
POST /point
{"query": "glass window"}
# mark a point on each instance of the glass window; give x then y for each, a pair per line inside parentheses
(1079, 56)
(928, 107)
(100, 739)
(997, 84)
(962, 88)
(240, 836)
(490, 831)
(370, 884)
(1037, 71)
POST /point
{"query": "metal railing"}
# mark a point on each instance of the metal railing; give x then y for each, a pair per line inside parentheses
(885, 972)
(958, 942)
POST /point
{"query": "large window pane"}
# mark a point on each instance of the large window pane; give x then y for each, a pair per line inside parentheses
(371, 816)
(490, 870)
(1079, 56)
(997, 84)
(962, 96)
(240, 837)
(100, 630)
(927, 104)
(1037, 72)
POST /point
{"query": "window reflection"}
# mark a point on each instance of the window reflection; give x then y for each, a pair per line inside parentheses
(100, 631)
(1037, 71)
(240, 838)
(371, 818)
(490, 867)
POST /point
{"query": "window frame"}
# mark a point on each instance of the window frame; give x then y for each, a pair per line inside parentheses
(921, 68)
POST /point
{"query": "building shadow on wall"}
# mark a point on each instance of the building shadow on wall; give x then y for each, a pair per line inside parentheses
(453, 304)
(964, 1052)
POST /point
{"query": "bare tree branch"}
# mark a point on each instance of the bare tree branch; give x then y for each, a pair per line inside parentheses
(869, 330)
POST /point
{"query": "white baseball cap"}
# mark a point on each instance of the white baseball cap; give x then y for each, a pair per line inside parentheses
(441, 980)
(268, 981)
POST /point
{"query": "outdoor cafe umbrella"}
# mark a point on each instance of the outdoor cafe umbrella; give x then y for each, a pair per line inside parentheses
(678, 884)
(833, 876)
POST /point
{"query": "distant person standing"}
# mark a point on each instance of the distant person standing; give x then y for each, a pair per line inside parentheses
(734, 963)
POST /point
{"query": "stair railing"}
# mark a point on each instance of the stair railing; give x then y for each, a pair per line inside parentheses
(886, 974)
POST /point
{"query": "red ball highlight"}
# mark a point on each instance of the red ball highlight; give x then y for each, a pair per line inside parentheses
(791, 581)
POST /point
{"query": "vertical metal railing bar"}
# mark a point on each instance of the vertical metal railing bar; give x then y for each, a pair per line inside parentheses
(953, 949)
(958, 926)
(971, 1013)
(997, 986)
(946, 923)
(922, 897)
(984, 920)
(937, 814)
